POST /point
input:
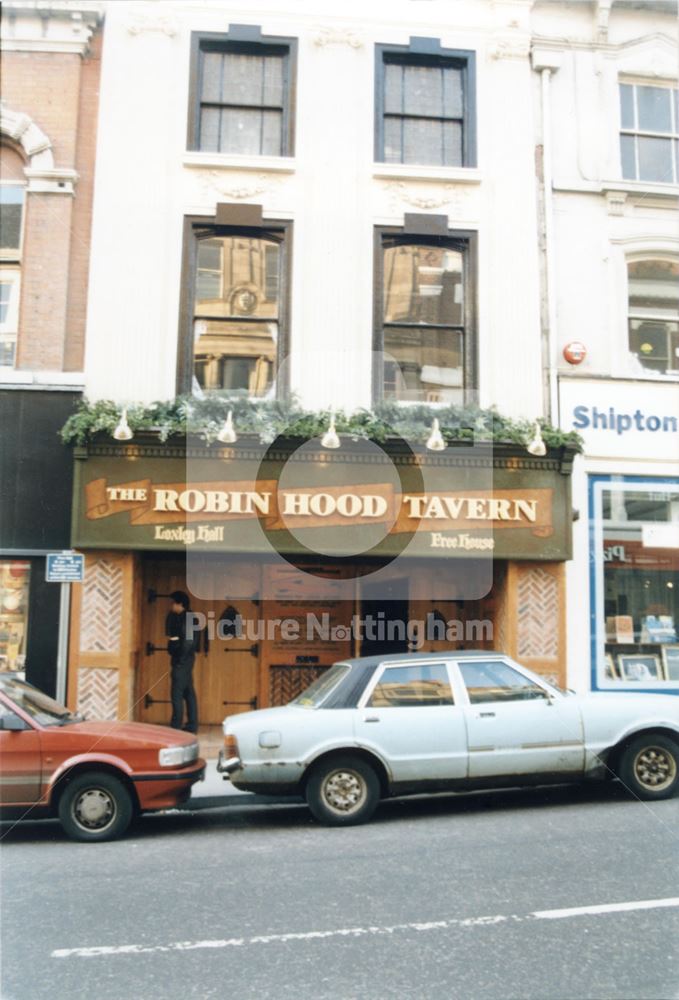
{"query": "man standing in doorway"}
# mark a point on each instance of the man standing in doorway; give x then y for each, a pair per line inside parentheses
(183, 643)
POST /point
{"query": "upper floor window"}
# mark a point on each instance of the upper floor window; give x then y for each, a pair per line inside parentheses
(425, 332)
(241, 99)
(650, 133)
(236, 330)
(425, 105)
(653, 291)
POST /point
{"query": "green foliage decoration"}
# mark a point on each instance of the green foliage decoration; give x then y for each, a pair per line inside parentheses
(271, 419)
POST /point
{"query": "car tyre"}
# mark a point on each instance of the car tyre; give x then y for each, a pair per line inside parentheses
(649, 767)
(343, 791)
(95, 806)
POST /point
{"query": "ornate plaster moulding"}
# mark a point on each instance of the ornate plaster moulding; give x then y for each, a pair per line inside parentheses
(215, 182)
(337, 36)
(456, 199)
(146, 24)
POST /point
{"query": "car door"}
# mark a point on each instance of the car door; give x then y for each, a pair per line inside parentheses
(20, 760)
(410, 717)
(516, 725)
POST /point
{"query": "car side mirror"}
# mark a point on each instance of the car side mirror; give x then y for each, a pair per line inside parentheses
(12, 723)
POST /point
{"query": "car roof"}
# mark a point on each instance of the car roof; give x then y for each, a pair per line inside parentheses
(457, 654)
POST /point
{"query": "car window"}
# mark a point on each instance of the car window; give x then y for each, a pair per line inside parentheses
(6, 713)
(43, 709)
(411, 686)
(493, 680)
(322, 686)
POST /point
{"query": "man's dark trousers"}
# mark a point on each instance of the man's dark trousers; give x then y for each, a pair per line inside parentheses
(182, 690)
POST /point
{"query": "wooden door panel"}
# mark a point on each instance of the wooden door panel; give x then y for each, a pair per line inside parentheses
(223, 680)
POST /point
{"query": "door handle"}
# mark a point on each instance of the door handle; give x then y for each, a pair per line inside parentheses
(371, 718)
(486, 715)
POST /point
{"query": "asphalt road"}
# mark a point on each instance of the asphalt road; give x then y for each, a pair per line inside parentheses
(552, 894)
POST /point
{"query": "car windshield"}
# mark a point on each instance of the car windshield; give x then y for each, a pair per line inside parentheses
(322, 686)
(41, 708)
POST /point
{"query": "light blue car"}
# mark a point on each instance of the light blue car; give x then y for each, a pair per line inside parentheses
(381, 726)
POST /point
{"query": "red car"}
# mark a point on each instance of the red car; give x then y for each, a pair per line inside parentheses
(95, 776)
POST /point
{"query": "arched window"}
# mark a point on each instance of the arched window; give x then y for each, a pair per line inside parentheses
(653, 311)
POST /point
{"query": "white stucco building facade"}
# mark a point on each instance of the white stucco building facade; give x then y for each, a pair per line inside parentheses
(543, 182)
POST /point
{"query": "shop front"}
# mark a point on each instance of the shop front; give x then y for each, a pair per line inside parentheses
(625, 574)
(295, 557)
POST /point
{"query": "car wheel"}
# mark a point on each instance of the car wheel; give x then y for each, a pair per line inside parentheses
(343, 791)
(95, 806)
(649, 767)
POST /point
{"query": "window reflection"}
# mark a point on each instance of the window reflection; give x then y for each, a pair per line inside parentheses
(423, 323)
(236, 314)
(653, 288)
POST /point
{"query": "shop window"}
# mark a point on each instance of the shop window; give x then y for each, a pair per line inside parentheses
(425, 105)
(237, 317)
(412, 687)
(636, 586)
(14, 584)
(653, 309)
(424, 319)
(649, 118)
(241, 97)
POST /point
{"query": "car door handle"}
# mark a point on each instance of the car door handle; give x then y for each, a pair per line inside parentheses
(371, 718)
(486, 715)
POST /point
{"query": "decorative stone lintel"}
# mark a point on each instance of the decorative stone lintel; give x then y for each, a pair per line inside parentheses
(53, 181)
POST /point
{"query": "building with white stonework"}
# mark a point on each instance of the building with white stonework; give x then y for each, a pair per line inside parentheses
(409, 209)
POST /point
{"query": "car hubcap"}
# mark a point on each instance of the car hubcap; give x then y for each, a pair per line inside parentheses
(94, 809)
(344, 791)
(655, 768)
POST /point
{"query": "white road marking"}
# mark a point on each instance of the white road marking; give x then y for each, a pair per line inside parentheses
(239, 942)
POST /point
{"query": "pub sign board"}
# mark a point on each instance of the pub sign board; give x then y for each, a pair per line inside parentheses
(330, 505)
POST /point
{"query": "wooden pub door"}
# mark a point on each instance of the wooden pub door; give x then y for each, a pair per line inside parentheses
(225, 677)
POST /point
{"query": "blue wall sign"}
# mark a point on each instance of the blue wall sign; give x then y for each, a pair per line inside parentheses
(65, 567)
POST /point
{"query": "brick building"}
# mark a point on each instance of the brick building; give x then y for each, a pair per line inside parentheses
(48, 125)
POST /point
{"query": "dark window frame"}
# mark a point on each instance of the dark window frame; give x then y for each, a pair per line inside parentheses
(428, 52)
(205, 227)
(464, 241)
(247, 40)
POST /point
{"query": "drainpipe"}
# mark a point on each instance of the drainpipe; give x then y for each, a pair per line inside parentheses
(547, 62)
